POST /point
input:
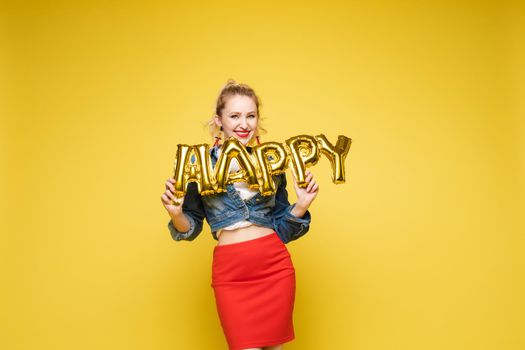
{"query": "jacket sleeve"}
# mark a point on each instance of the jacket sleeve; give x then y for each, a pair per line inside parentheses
(193, 209)
(288, 226)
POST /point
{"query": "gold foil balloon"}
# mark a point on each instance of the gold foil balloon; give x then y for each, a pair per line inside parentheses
(186, 171)
(267, 159)
(336, 155)
(271, 159)
(181, 170)
(233, 148)
(205, 177)
(304, 152)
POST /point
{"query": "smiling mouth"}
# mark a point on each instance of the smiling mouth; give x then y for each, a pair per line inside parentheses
(242, 134)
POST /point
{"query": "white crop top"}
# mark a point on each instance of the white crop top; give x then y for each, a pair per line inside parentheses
(244, 191)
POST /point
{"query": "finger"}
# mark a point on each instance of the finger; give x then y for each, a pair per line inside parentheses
(170, 186)
(169, 194)
(172, 180)
(308, 178)
(165, 199)
(297, 187)
(178, 201)
(310, 186)
(315, 188)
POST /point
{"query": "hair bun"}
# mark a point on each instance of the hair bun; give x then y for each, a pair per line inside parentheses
(231, 82)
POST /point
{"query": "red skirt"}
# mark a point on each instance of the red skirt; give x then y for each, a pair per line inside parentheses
(254, 286)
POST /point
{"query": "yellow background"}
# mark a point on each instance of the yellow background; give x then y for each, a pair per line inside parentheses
(421, 248)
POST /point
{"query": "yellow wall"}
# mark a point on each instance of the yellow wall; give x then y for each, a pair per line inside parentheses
(421, 248)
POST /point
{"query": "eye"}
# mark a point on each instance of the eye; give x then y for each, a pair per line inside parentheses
(251, 116)
(234, 116)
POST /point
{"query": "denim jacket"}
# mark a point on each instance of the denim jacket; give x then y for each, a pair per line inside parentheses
(226, 208)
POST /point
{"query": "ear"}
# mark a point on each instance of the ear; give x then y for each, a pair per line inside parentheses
(217, 120)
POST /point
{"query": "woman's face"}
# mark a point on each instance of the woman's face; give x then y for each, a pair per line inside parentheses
(239, 118)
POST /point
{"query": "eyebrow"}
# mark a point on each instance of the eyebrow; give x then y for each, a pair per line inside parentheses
(254, 112)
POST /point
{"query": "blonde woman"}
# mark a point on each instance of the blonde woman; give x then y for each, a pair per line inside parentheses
(253, 277)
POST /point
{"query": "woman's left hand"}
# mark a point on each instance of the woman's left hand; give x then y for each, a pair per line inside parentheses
(305, 196)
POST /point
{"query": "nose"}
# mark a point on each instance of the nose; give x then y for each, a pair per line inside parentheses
(244, 123)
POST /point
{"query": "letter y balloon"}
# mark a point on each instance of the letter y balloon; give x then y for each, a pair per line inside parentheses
(266, 159)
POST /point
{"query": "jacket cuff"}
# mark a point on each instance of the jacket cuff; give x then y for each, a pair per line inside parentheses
(305, 219)
(178, 235)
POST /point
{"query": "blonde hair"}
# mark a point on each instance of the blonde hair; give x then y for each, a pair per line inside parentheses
(231, 89)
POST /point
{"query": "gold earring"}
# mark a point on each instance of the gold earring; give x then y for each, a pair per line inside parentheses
(218, 137)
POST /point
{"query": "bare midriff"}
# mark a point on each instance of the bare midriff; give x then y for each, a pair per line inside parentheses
(243, 234)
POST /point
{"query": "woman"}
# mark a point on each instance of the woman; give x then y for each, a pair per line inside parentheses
(253, 276)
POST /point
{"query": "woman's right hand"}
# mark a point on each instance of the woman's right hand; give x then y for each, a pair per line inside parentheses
(168, 196)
